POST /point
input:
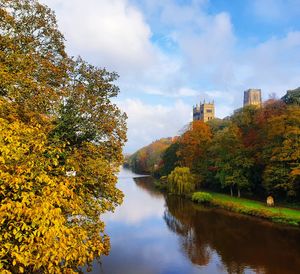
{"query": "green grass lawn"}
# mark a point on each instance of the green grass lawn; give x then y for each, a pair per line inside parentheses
(256, 208)
(292, 213)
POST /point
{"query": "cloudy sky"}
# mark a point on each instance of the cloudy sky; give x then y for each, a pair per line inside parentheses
(170, 54)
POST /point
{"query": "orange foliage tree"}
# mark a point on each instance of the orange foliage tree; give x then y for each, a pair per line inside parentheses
(282, 153)
(194, 144)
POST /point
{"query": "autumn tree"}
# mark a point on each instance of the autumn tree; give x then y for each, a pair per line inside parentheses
(149, 158)
(194, 143)
(256, 149)
(282, 153)
(49, 222)
(32, 56)
(60, 141)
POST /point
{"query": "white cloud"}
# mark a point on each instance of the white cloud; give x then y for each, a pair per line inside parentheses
(116, 34)
(209, 51)
(147, 123)
(180, 92)
(272, 65)
(197, 55)
(109, 33)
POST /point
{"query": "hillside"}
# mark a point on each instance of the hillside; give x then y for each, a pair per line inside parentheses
(148, 159)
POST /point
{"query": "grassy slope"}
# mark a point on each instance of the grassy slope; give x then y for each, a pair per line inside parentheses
(292, 213)
(256, 208)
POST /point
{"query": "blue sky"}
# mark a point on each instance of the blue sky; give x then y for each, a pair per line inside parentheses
(170, 54)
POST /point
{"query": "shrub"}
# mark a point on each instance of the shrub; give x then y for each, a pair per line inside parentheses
(201, 197)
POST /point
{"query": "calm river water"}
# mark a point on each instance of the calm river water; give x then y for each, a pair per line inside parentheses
(151, 234)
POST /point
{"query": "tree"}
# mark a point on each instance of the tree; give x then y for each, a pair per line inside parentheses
(193, 149)
(170, 159)
(61, 143)
(218, 124)
(149, 158)
(231, 159)
(87, 114)
(282, 153)
(245, 118)
(193, 145)
(292, 97)
(32, 56)
(181, 181)
(49, 221)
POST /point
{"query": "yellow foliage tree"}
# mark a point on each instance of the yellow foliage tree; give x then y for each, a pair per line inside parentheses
(181, 181)
(282, 150)
(61, 142)
(48, 221)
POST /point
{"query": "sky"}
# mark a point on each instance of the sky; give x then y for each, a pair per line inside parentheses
(170, 54)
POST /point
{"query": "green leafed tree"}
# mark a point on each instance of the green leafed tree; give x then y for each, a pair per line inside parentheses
(231, 159)
(292, 97)
(181, 181)
(170, 159)
(87, 113)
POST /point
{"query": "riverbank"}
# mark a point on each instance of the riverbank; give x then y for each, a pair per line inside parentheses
(281, 215)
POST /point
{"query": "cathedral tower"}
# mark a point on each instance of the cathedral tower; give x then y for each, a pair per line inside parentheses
(204, 112)
(252, 97)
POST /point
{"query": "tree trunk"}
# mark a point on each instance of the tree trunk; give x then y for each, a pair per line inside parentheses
(239, 193)
(231, 194)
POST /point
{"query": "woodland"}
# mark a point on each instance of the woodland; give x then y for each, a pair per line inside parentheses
(254, 152)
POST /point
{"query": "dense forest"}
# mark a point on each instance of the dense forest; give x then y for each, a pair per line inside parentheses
(256, 151)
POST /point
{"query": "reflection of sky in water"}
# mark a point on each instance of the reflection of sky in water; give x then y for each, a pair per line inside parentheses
(151, 234)
(141, 243)
(137, 205)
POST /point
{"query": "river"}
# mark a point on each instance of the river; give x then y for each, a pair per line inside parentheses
(154, 234)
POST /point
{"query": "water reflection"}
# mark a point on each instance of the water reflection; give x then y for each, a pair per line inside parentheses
(138, 205)
(147, 184)
(153, 234)
(179, 218)
(242, 243)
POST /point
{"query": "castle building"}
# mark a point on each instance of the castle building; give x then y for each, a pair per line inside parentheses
(252, 97)
(204, 111)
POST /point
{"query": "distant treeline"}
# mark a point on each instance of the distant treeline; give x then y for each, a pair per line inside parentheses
(149, 158)
(254, 151)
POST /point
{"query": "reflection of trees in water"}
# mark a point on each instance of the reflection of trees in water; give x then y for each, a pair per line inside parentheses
(179, 220)
(197, 250)
(239, 241)
(147, 183)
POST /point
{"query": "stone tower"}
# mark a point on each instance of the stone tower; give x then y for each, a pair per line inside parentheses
(204, 111)
(252, 97)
